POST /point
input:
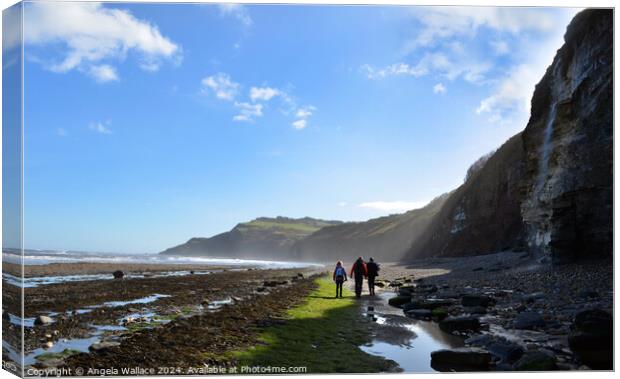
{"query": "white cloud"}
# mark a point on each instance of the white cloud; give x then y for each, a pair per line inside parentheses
(99, 127)
(104, 73)
(263, 93)
(92, 33)
(434, 62)
(342, 204)
(302, 114)
(393, 206)
(237, 11)
(444, 22)
(512, 93)
(248, 112)
(300, 124)
(305, 112)
(439, 88)
(221, 84)
(500, 47)
(61, 132)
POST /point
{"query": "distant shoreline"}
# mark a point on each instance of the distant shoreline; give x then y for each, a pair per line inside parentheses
(85, 268)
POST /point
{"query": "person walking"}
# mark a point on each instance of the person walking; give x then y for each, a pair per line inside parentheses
(340, 276)
(373, 271)
(359, 272)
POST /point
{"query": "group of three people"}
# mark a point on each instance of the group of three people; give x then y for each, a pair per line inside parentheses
(359, 271)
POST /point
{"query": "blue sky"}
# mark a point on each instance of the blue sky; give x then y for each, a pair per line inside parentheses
(146, 125)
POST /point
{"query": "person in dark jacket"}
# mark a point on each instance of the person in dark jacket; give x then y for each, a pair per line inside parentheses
(359, 272)
(373, 271)
(340, 276)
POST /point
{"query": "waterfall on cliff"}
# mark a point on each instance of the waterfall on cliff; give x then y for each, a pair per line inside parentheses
(545, 151)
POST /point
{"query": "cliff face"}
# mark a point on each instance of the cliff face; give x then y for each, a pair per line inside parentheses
(482, 215)
(384, 238)
(262, 238)
(568, 141)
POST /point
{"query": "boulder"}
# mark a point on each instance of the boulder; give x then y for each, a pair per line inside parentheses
(507, 352)
(102, 346)
(477, 301)
(405, 291)
(429, 303)
(398, 301)
(477, 310)
(43, 320)
(459, 324)
(118, 274)
(536, 361)
(591, 338)
(423, 314)
(461, 359)
(528, 320)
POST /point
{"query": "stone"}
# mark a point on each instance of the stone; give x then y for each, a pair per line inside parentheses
(48, 345)
(589, 295)
(405, 291)
(43, 320)
(96, 347)
(536, 361)
(461, 359)
(459, 324)
(591, 338)
(528, 320)
(477, 301)
(423, 314)
(475, 310)
(118, 274)
(507, 352)
(398, 301)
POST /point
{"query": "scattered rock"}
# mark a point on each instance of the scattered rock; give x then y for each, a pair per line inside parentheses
(462, 359)
(423, 314)
(398, 301)
(507, 352)
(536, 361)
(592, 338)
(528, 320)
(43, 320)
(118, 274)
(48, 345)
(475, 310)
(477, 301)
(459, 324)
(96, 347)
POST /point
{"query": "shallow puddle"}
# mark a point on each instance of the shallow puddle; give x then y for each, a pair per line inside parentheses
(408, 342)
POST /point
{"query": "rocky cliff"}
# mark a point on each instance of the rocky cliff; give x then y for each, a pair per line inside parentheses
(568, 142)
(482, 215)
(263, 238)
(385, 238)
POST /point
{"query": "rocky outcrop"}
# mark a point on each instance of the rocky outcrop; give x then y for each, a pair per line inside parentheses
(483, 215)
(568, 142)
(263, 238)
(385, 238)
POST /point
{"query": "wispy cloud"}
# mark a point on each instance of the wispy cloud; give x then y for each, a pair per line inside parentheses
(263, 93)
(61, 132)
(91, 33)
(441, 23)
(104, 73)
(438, 63)
(393, 206)
(237, 11)
(258, 100)
(100, 127)
(439, 88)
(248, 112)
(222, 85)
(302, 114)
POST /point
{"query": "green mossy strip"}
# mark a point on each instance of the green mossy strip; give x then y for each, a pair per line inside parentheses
(322, 334)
